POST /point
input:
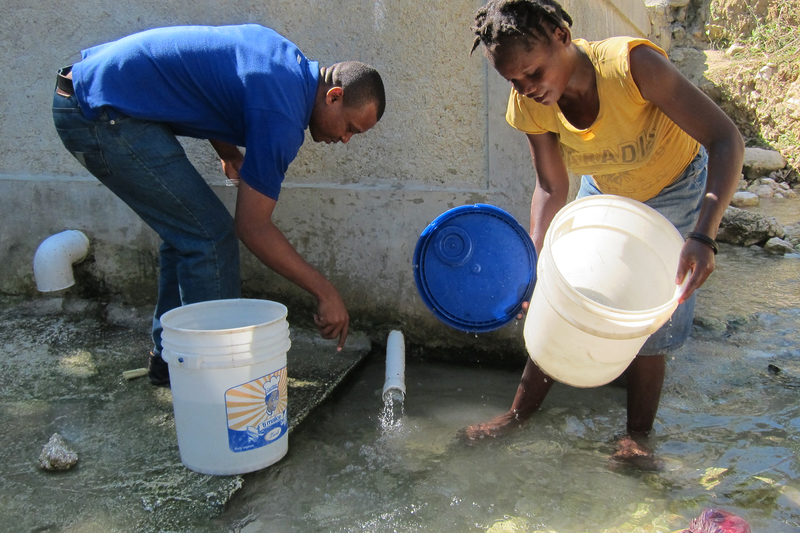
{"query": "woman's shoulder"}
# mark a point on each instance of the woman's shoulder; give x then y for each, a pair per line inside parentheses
(617, 47)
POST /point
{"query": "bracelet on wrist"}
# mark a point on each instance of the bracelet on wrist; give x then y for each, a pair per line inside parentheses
(705, 239)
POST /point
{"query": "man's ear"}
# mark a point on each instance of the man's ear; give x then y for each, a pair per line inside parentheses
(334, 94)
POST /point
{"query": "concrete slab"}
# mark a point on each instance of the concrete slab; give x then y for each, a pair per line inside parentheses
(61, 364)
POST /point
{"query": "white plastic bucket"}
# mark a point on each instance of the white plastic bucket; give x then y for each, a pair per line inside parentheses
(227, 369)
(605, 283)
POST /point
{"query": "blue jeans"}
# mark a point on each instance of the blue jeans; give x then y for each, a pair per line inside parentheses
(680, 204)
(144, 165)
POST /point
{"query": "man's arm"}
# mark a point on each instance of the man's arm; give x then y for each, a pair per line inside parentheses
(256, 230)
(231, 158)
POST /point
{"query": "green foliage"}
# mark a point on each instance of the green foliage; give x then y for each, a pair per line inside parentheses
(777, 37)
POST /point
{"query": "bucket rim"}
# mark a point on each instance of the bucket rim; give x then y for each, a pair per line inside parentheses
(605, 311)
(212, 303)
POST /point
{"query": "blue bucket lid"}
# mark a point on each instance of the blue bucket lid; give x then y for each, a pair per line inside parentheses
(474, 265)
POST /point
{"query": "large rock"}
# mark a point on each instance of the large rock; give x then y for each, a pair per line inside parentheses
(743, 227)
(759, 162)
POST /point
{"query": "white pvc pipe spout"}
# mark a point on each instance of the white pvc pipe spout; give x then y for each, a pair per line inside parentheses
(395, 385)
(52, 264)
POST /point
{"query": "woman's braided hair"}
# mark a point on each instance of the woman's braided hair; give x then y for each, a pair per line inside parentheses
(517, 18)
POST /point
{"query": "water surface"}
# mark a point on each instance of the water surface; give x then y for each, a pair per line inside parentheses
(727, 435)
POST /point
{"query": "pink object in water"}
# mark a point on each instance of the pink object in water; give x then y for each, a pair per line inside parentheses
(718, 521)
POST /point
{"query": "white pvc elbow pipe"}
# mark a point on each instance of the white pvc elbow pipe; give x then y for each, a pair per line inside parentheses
(395, 384)
(52, 264)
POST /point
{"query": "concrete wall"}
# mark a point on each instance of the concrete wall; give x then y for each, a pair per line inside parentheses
(353, 211)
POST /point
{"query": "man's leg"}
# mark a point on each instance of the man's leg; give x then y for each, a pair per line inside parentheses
(144, 165)
(169, 297)
(199, 259)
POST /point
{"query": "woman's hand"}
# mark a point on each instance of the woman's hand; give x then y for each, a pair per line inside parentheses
(696, 261)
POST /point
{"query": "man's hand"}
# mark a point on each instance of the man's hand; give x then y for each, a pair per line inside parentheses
(255, 228)
(231, 158)
(332, 319)
(231, 170)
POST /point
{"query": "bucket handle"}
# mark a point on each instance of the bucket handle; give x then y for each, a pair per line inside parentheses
(198, 362)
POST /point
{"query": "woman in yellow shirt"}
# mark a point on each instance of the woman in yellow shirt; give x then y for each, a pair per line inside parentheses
(619, 113)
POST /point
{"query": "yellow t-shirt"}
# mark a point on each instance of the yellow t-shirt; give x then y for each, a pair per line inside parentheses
(632, 149)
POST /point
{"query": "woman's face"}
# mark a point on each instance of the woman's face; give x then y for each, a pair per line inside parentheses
(538, 69)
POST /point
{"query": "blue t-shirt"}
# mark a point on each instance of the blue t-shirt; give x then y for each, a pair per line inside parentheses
(245, 85)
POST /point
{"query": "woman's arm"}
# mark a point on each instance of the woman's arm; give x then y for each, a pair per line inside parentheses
(662, 84)
(552, 184)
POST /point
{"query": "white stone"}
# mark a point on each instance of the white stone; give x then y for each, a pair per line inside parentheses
(778, 246)
(759, 162)
(744, 199)
(769, 181)
(765, 73)
(734, 49)
(762, 191)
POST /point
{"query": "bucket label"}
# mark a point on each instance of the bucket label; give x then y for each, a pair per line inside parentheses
(257, 412)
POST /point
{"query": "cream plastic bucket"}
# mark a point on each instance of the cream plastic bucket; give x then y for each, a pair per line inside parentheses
(605, 283)
(227, 369)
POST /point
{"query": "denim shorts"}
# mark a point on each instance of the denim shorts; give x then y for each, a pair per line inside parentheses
(680, 204)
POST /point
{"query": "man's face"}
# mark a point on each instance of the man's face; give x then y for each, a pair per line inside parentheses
(332, 122)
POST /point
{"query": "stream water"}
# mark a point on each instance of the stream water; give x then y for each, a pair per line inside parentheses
(727, 435)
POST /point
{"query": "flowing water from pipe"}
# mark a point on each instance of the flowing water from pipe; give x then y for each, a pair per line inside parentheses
(391, 417)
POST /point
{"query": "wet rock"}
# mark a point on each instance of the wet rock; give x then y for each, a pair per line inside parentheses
(711, 325)
(744, 199)
(510, 525)
(778, 246)
(760, 162)
(743, 227)
(56, 455)
(792, 233)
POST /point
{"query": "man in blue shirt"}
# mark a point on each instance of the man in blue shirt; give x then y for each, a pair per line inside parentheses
(119, 110)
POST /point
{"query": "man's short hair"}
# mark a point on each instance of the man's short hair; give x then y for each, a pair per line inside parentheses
(361, 84)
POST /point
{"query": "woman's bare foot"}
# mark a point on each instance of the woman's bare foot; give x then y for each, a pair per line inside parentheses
(632, 450)
(496, 427)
